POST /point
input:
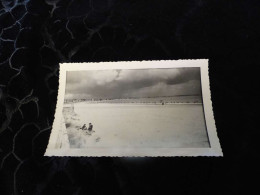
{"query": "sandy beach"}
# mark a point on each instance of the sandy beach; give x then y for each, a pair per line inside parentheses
(136, 125)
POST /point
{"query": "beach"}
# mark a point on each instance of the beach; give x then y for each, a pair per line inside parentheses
(136, 125)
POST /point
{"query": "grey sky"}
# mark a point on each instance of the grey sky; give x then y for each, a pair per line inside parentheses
(132, 83)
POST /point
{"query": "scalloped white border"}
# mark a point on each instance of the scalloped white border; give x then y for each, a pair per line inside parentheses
(214, 150)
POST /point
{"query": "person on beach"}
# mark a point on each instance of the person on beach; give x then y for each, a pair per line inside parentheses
(84, 127)
(90, 127)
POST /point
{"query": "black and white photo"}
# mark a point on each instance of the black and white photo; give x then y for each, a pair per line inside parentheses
(150, 108)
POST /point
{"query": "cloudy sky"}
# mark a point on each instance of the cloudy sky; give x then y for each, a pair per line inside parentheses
(132, 83)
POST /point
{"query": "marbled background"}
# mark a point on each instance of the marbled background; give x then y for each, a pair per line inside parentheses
(35, 35)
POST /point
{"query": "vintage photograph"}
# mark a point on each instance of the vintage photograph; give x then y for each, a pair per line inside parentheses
(132, 109)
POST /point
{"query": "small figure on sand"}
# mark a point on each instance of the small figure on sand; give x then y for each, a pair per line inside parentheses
(88, 130)
(90, 127)
(84, 127)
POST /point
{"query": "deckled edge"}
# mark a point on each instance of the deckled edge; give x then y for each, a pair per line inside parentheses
(217, 145)
(216, 153)
(54, 134)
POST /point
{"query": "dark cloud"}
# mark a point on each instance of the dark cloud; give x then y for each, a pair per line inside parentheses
(133, 83)
(187, 74)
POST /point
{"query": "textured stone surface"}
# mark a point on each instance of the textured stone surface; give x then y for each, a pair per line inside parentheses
(35, 35)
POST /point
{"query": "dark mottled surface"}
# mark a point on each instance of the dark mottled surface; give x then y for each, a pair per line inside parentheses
(35, 35)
